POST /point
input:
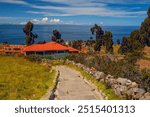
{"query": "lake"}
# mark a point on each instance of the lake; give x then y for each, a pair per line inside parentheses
(14, 34)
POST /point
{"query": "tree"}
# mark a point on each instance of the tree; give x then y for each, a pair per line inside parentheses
(57, 37)
(108, 41)
(131, 47)
(148, 12)
(29, 35)
(145, 30)
(99, 33)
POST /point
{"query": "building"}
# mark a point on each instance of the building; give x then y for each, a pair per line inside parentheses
(13, 49)
(48, 49)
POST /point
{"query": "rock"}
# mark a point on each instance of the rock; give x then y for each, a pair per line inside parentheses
(138, 93)
(147, 94)
(99, 75)
(123, 89)
(102, 75)
(128, 82)
(147, 98)
(102, 80)
(122, 81)
(134, 85)
(115, 86)
(142, 98)
(130, 92)
(120, 90)
(139, 90)
(112, 81)
(109, 77)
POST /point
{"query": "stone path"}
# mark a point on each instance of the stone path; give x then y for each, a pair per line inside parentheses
(72, 86)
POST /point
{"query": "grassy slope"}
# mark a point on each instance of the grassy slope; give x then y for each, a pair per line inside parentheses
(107, 91)
(21, 79)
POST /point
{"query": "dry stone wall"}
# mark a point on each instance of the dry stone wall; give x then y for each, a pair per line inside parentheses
(122, 87)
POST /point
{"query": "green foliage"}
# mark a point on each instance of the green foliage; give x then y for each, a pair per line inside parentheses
(76, 44)
(57, 37)
(29, 35)
(99, 33)
(38, 58)
(148, 12)
(145, 80)
(108, 42)
(133, 45)
(133, 57)
(102, 39)
(145, 32)
(34, 58)
(22, 79)
(120, 68)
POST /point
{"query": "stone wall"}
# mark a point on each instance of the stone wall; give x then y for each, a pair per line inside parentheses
(122, 87)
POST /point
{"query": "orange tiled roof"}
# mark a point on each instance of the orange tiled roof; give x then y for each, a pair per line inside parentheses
(73, 49)
(50, 46)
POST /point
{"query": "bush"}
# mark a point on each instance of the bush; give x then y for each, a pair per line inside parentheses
(145, 80)
(120, 68)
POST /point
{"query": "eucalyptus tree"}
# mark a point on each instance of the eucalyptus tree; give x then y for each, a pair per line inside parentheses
(98, 31)
(28, 32)
(57, 37)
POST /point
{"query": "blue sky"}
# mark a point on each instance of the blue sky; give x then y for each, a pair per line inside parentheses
(82, 12)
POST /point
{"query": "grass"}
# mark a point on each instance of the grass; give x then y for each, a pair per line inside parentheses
(107, 91)
(146, 58)
(22, 79)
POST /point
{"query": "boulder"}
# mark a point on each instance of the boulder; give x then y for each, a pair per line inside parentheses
(115, 86)
(122, 81)
(129, 82)
(139, 90)
(130, 92)
(138, 93)
(133, 85)
(102, 80)
(120, 90)
(147, 94)
(99, 75)
(112, 81)
(109, 77)
(142, 98)
(147, 98)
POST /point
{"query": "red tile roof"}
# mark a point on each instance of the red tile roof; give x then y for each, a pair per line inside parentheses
(72, 49)
(50, 46)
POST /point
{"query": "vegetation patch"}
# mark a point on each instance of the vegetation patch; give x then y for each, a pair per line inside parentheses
(22, 79)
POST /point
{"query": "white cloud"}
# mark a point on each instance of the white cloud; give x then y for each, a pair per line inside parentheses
(55, 21)
(14, 2)
(83, 7)
(87, 7)
(45, 20)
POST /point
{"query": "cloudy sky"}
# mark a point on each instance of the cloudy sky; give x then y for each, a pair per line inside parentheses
(83, 12)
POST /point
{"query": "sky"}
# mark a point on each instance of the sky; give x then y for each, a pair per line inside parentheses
(74, 12)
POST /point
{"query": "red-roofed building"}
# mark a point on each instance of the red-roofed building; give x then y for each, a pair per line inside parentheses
(16, 49)
(48, 48)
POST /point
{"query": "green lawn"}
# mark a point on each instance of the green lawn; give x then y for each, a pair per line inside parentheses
(22, 79)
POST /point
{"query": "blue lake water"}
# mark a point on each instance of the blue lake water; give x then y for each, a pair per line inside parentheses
(14, 34)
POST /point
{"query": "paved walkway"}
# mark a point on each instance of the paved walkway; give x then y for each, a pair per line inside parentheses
(72, 86)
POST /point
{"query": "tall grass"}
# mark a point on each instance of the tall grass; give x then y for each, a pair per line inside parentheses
(22, 79)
